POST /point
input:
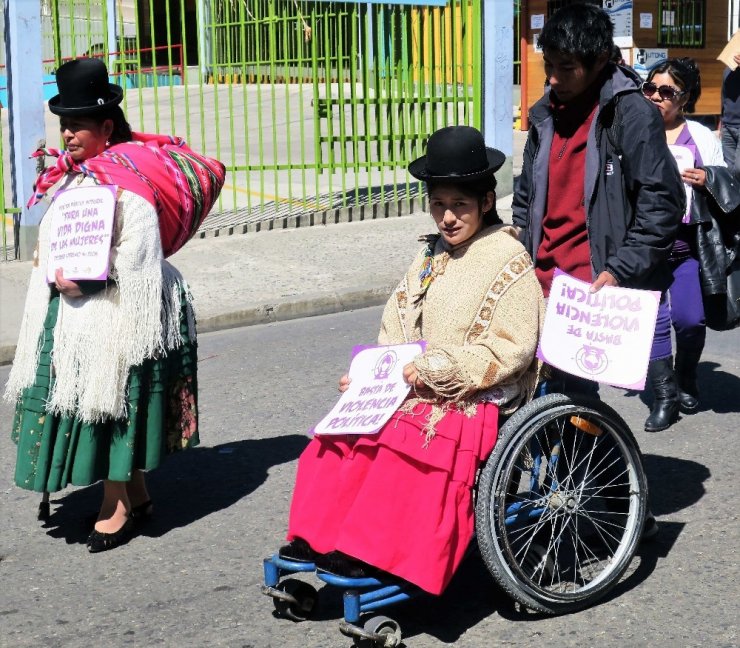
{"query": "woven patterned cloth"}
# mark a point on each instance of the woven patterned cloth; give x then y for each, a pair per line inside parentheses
(181, 184)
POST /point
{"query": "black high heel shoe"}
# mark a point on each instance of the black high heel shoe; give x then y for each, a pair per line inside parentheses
(142, 513)
(98, 541)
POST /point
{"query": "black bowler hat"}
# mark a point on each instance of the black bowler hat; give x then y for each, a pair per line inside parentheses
(456, 153)
(84, 88)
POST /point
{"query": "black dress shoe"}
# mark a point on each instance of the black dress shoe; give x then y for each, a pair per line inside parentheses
(98, 541)
(340, 564)
(142, 513)
(298, 550)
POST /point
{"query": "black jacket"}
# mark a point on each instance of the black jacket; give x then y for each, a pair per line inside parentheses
(718, 231)
(633, 191)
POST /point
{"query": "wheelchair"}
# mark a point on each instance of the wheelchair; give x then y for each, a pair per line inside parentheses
(560, 508)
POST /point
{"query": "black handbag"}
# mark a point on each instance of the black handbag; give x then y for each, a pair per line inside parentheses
(722, 311)
(719, 249)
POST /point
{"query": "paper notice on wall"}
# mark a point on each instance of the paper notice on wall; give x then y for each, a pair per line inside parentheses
(646, 21)
(537, 21)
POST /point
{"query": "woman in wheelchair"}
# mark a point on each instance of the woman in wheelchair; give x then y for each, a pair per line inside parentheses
(401, 501)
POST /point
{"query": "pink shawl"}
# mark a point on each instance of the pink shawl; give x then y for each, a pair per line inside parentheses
(181, 184)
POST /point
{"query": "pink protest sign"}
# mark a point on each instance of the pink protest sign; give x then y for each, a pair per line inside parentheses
(81, 227)
(376, 391)
(604, 336)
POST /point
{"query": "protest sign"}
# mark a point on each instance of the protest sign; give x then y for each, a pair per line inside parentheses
(604, 336)
(81, 227)
(684, 154)
(376, 390)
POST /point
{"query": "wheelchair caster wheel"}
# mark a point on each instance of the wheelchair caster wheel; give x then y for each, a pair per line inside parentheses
(298, 600)
(385, 633)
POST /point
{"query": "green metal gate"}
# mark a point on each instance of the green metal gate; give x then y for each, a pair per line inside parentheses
(344, 94)
(312, 106)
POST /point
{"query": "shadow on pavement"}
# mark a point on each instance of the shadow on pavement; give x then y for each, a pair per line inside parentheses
(473, 595)
(674, 484)
(188, 486)
(717, 390)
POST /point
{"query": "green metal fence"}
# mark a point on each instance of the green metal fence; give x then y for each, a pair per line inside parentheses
(312, 106)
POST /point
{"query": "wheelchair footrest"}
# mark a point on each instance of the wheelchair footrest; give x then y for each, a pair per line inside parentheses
(276, 593)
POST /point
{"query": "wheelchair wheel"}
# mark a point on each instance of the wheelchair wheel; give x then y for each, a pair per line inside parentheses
(561, 503)
(298, 601)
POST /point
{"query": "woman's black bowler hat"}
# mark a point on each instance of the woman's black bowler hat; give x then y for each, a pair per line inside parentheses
(84, 88)
(456, 153)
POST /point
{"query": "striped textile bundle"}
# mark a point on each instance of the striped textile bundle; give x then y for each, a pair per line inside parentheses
(182, 185)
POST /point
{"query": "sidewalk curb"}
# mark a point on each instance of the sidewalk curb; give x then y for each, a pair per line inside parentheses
(275, 312)
(295, 309)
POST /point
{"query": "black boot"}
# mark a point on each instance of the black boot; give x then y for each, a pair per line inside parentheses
(665, 391)
(688, 391)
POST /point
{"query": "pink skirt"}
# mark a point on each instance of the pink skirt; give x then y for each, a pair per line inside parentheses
(389, 501)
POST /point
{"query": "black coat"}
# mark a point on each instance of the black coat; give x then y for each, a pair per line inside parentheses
(634, 194)
(716, 210)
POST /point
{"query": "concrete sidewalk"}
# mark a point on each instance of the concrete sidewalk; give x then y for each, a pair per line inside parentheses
(275, 275)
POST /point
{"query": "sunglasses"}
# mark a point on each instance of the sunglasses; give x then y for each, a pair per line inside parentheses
(665, 91)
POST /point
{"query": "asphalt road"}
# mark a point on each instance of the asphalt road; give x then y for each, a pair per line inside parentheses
(193, 577)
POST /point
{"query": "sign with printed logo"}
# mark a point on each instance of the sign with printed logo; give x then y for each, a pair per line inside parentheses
(645, 59)
(620, 12)
(81, 229)
(604, 336)
(376, 390)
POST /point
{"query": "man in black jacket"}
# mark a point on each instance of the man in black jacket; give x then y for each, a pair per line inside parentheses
(600, 195)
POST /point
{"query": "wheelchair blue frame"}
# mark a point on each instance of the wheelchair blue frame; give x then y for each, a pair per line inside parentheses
(378, 595)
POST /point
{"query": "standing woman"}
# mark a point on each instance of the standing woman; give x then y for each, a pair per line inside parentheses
(105, 376)
(674, 87)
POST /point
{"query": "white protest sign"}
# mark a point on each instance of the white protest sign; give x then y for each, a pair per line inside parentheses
(376, 390)
(81, 227)
(685, 160)
(604, 336)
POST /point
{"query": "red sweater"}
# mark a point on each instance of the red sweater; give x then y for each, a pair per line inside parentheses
(564, 236)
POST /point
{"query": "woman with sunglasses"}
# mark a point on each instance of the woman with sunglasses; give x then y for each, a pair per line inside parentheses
(674, 87)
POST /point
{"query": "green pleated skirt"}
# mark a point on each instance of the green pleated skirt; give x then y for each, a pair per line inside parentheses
(55, 451)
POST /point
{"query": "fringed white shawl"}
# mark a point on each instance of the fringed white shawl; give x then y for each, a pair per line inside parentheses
(98, 338)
